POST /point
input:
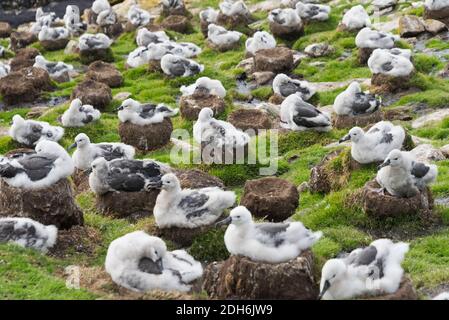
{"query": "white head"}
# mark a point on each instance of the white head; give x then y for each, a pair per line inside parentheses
(51, 147)
(99, 166)
(156, 249)
(169, 182)
(333, 271)
(76, 105)
(205, 114)
(238, 216)
(130, 105)
(354, 87)
(394, 159)
(355, 134)
(17, 120)
(40, 60)
(81, 141)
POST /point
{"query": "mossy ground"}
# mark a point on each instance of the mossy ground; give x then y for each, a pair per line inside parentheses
(25, 274)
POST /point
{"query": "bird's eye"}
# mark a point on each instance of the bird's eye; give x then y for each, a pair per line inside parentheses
(238, 217)
(396, 159)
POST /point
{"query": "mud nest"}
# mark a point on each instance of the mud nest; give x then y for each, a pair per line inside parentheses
(270, 197)
(149, 137)
(106, 73)
(385, 84)
(178, 11)
(276, 60)
(190, 106)
(364, 54)
(223, 47)
(276, 99)
(406, 291)
(112, 30)
(89, 56)
(52, 45)
(210, 153)
(240, 278)
(94, 93)
(362, 120)
(53, 205)
(21, 40)
(176, 23)
(235, 22)
(287, 33)
(197, 179)
(5, 30)
(246, 119)
(24, 58)
(76, 240)
(80, 180)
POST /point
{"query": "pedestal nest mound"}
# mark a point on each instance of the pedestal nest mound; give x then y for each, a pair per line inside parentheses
(127, 204)
(24, 58)
(53, 205)
(112, 30)
(5, 30)
(177, 23)
(276, 60)
(89, 56)
(270, 197)
(364, 54)
(383, 83)
(224, 47)
(210, 153)
(24, 85)
(383, 205)
(106, 73)
(240, 278)
(190, 106)
(80, 180)
(149, 137)
(235, 22)
(440, 15)
(94, 93)
(76, 240)
(406, 291)
(276, 99)
(250, 119)
(21, 40)
(362, 120)
(52, 45)
(287, 33)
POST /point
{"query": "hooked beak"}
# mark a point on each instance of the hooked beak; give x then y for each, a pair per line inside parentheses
(73, 145)
(386, 163)
(88, 171)
(345, 138)
(120, 108)
(225, 221)
(326, 287)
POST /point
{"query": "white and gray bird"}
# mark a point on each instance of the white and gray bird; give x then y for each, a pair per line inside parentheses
(172, 4)
(298, 115)
(28, 233)
(107, 17)
(373, 39)
(260, 40)
(232, 8)
(373, 270)
(435, 5)
(5, 69)
(375, 144)
(206, 85)
(219, 133)
(144, 114)
(189, 208)
(403, 176)
(209, 15)
(144, 37)
(285, 17)
(266, 242)
(43, 19)
(72, 20)
(356, 18)
(79, 115)
(219, 36)
(353, 101)
(185, 49)
(100, 5)
(49, 164)
(94, 41)
(138, 57)
(176, 66)
(285, 86)
(30, 132)
(442, 296)
(311, 11)
(53, 33)
(54, 69)
(86, 152)
(141, 263)
(382, 61)
(406, 53)
(137, 16)
(124, 175)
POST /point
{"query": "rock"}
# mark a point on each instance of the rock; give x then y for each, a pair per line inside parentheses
(36, 112)
(344, 121)
(94, 93)
(250, 119)
(303, 187)
(235, 22)
(197, 179)
(224, 47)
(410, 26)
(191, 105)
(177, 23)
(406, 291)
(435, 116)
(106, 73)
(287, 33)
(276, 60)
(53, 45)
(426, 152)
(149, 137)
(21, 40)
(378, 205)
(24, 85)
(72, 47)
(240, 278)
(24, 58)
(317, 50)
(434, 26)
(364, 54)
(247, 65)
(262, 77)
(440, 15)
(121, 96)
(5, 30)
(183, 237)
(127, 204)
(112, 30)
(270, 197)
(89, 56)
(53, 205)
(383, 83)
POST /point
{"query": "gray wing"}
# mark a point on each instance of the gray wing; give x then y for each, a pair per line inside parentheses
(178, 68)
(387, 66)
(271, 231)
(148, 110)
(306, 110)
(37, 166)
(366, 256)
(192, 204)
(419, 169)
(387, 138)
(149, 266)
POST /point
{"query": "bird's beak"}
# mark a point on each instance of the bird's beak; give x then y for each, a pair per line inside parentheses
(120, 108)
(73, 145)
(386, 163)
(226, 221)
(155, 184)
(326, 287)
(88, 171)
(345, 138)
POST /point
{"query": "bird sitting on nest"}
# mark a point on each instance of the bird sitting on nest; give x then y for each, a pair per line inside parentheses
(402, 176)
(43, 19)
(369, 38)
(209, 15)
(53, 34)
(382, 61)
(298, 115)
(266, 242)
(137, 16)
(353, 101)
(94, 41)
(356, 18)
(42, 169)
(86, 152)
(144, 37)
(176, 66)
(72, 20)
(140, 262)
(285, 17)
(312, 11)
(30, 132)
(78, 115)
(28, 233)
(107, 18)
(219, 36)
(189, 208)
(260, 40)
(369, 271)
(375, 144)
(285, 86)
(205, 84)
(138, 57)
(233, 8)
(54, 69)
(144, 114)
